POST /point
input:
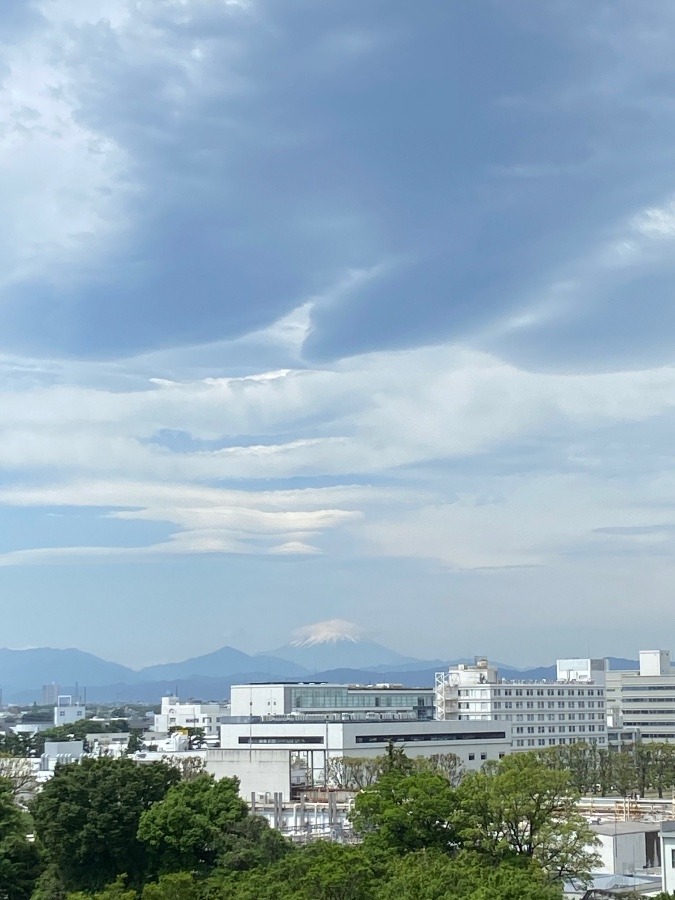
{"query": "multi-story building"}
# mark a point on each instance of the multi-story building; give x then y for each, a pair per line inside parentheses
(541, 714)
(336, 701)
(176, 715)
(50, 694)
(644, 700)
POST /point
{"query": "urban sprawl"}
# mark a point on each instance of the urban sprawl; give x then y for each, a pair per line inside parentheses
(309, 762)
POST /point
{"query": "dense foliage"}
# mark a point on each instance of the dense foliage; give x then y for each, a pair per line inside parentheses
(87, 819)
(113, 829)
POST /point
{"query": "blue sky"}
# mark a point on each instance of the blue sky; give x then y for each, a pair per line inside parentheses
(356, 310)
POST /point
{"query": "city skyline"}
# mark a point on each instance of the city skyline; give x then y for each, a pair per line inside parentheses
(337, 311)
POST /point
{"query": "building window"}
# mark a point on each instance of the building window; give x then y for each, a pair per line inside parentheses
(483, 756)
(672, 859)
(472, 756)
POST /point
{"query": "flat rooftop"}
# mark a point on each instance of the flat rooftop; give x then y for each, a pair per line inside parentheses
(610, 828)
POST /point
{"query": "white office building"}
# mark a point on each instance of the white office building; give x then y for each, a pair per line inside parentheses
(644, 700)
(176, 715)
(337, 701)
(276, 756)
(541, 714)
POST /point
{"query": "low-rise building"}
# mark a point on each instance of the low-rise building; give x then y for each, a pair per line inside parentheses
(287, 755)
(203, 716)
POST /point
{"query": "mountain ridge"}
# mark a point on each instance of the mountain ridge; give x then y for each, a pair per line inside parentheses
(26, 665)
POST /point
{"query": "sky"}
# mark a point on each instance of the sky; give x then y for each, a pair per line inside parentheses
(337, 310)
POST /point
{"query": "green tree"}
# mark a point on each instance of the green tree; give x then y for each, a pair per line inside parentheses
(319, 871)
(118, 890)
(662, 768)
(605, 771)
(406, 812)
(135, 740)
(624, 773)
(520, 808)
(19, 859)
(580, 760)
(175, 886)
(395, 761)
(430, 875)
(87, 819)
(12, 744)
(186, 830)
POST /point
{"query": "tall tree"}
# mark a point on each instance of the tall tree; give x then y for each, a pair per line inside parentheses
(19, 858)
(406, 812)
(87, 819)
(520, 808)
(446, 764)
(203, 823)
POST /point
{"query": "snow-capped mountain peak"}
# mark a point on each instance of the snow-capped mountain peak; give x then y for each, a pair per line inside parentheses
(332, 631)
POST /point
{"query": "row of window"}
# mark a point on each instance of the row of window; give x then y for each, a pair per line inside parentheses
(415, 738)
(552, 729)
(541, 742)
(529, 704)
(548, 692)
(550, 717)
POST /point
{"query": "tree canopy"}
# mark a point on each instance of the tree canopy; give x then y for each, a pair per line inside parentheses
(87, 819)
(202, 823)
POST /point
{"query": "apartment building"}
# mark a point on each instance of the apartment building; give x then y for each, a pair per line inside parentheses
(541, 714)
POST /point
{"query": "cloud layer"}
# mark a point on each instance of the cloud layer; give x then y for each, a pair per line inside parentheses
(305, 291)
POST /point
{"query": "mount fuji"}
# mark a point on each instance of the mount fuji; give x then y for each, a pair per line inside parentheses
(337, 644)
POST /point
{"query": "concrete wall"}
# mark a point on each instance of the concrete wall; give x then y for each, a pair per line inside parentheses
(668, 860)
(623, 854)
(258, 771)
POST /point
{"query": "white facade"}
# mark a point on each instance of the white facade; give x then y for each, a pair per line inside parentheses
(340, 701)
(628, 848)
(644, 700)
(541, 714)
(66, 712)
(205, 716)
(266, 756)
(668, 856)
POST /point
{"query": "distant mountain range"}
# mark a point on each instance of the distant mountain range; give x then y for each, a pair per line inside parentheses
(331, 651)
